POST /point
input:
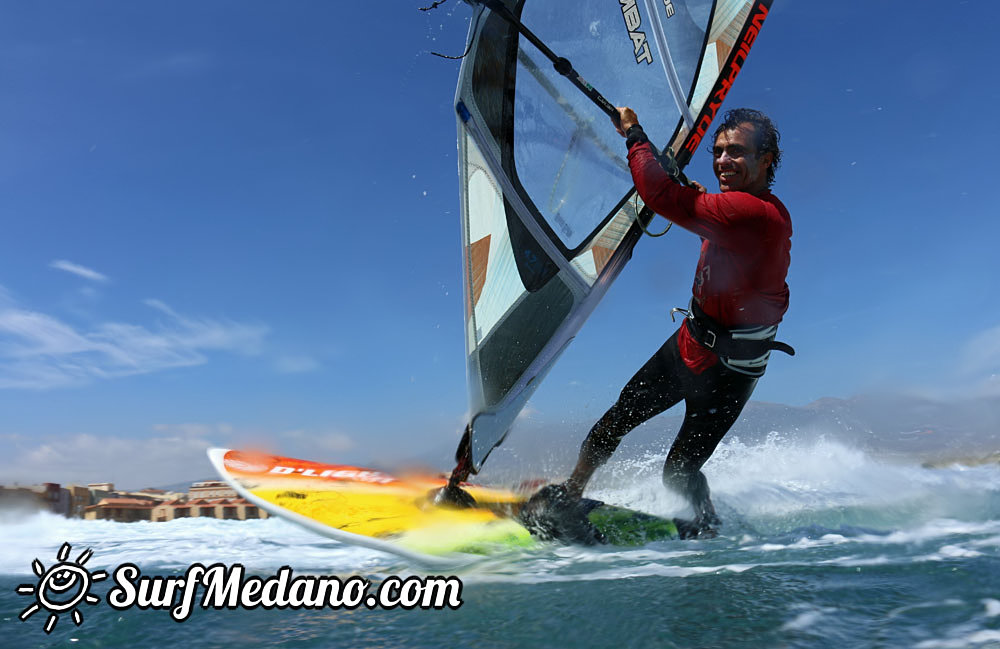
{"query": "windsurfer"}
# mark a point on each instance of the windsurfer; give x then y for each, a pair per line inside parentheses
(713, 361)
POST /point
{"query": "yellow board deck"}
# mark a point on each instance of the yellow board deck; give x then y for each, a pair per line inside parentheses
(375, 509)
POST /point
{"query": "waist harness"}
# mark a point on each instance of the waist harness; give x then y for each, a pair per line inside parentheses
(742, 349)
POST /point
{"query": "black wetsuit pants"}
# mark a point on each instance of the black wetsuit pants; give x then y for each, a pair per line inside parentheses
(713, 399)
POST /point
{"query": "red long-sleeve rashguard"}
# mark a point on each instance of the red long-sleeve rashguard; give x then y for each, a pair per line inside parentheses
(745, 250)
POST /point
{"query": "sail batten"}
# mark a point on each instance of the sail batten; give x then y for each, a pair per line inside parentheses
(669, 70)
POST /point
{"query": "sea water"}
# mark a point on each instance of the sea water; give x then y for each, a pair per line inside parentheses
(822, 546)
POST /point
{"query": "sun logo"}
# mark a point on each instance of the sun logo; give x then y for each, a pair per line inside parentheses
(61, 587)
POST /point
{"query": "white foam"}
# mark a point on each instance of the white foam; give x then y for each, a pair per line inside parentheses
(260, 545)
(545, 572)
(803, 543)
(957, 551)
(933, 530)
(949, 552)
(974, 639)
(643, 554)
(819, 482)
(857, 562)
(806, 619)
(896, 612)
(989, 542)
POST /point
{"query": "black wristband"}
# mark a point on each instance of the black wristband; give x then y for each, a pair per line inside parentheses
(635, 135)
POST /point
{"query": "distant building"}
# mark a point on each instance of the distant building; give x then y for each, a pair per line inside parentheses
(123, 510)
(151, 495)
(79, 499)
(171, 510)
(56, 499)
(49, 497)
(22, 499)
(201, 507)
(222, 508)
(100, 490)
(211, 489)
(100, 501)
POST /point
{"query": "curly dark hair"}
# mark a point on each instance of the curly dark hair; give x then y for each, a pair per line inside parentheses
(767, 136)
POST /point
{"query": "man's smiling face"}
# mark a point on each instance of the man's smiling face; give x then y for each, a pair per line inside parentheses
(736, 162)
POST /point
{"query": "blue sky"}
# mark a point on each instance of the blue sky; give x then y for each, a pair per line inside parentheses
(237, 223)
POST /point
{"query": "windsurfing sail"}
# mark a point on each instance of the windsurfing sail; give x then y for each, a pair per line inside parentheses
(549, 215)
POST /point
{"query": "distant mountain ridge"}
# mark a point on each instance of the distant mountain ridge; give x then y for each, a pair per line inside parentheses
(907, 428)
(904, 427)
(911, 425)
(184, 486)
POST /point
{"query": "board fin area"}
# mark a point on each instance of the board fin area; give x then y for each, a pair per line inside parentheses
(551, 515)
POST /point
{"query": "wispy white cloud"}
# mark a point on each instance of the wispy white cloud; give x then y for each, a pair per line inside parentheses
(979, 362)
(974, 372)
(77, 269)
(39, 351)
(527, 413)
(129, 463)
(171, 453)
(981, 354)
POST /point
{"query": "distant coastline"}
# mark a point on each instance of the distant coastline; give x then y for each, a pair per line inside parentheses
(101, 501)
(992, 458)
